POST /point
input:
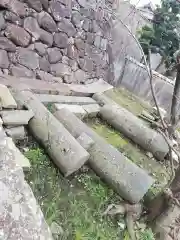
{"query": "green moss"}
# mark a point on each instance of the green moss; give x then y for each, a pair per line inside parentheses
(128, 100)
(133, 152)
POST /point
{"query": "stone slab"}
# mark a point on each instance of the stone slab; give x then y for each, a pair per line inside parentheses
(21, 217)
(129, 180)
(46, 98)
(16, 133)
(6, 99)
(90, 89)
(92, 110)
(35, 85)
(85, 141)
(42, 87)
(76, 109)
(16, 117)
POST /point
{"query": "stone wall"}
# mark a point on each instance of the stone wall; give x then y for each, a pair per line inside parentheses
(135, 79)
(59, 38)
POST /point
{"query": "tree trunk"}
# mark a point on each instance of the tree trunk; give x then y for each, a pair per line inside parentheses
(164, 213)
(175, 102)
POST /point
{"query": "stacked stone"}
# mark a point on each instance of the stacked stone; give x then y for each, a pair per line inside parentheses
(55, 41)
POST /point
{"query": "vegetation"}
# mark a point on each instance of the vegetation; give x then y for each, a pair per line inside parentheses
(163, 37)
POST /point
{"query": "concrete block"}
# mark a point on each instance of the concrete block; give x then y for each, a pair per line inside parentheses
(92, 110)
(16, 117)
(71, 100)
(6, 99)
(76, 109)
(85, 141)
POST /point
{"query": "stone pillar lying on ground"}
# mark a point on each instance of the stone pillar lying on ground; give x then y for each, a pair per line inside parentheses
(20, 215)
(61, 146)
(135, 129)
(102, 99)
(130, 181)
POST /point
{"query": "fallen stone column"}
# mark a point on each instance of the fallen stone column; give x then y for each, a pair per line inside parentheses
(135, 129)
(21, 217)
(46, 98)
(130, 181)
(61, 146)
(102, 99)
(16, 117)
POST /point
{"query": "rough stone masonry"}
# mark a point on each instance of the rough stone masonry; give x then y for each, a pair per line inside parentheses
(56, 41)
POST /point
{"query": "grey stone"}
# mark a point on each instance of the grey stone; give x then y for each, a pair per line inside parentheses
(65, 60)
(7, 100)
(76, 109)
(35, 4)
(130, 181)
(54, 55)
(31, 25)
(4, 61)
(21, 71)
(104, 43)
(90, 38)
(48, 77)
(2, 21)
(80, 44)
(97, 41)
(92, 110)
(46, 37)
(5, 71)
(63, 149)
(40, 48)
(15, 6)
(60, 69)
(18, 133)
(72, 52)
(27, 58)
(13, 18)
(44, 64)
(47, 22)
(45, 4)
(61, 40)
(80, 76)
(18, 204)
(86, 25)
(71, 100)
(64, 51)
(87, 12)
(85, 141)
(86, 64)
(18, 35)
(77, 19)
(73, 64)
(67, 27)
(135, 129)
(59, 11)
(16, 117)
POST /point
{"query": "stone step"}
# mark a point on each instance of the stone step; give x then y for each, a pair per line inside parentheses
(46, 98)
(16, 117)
(86, 111)
(76, 109)
(42, 87)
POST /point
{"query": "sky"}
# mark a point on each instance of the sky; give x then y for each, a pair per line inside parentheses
(142, 2)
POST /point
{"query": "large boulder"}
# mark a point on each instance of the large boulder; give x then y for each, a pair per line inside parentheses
(18, 35)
